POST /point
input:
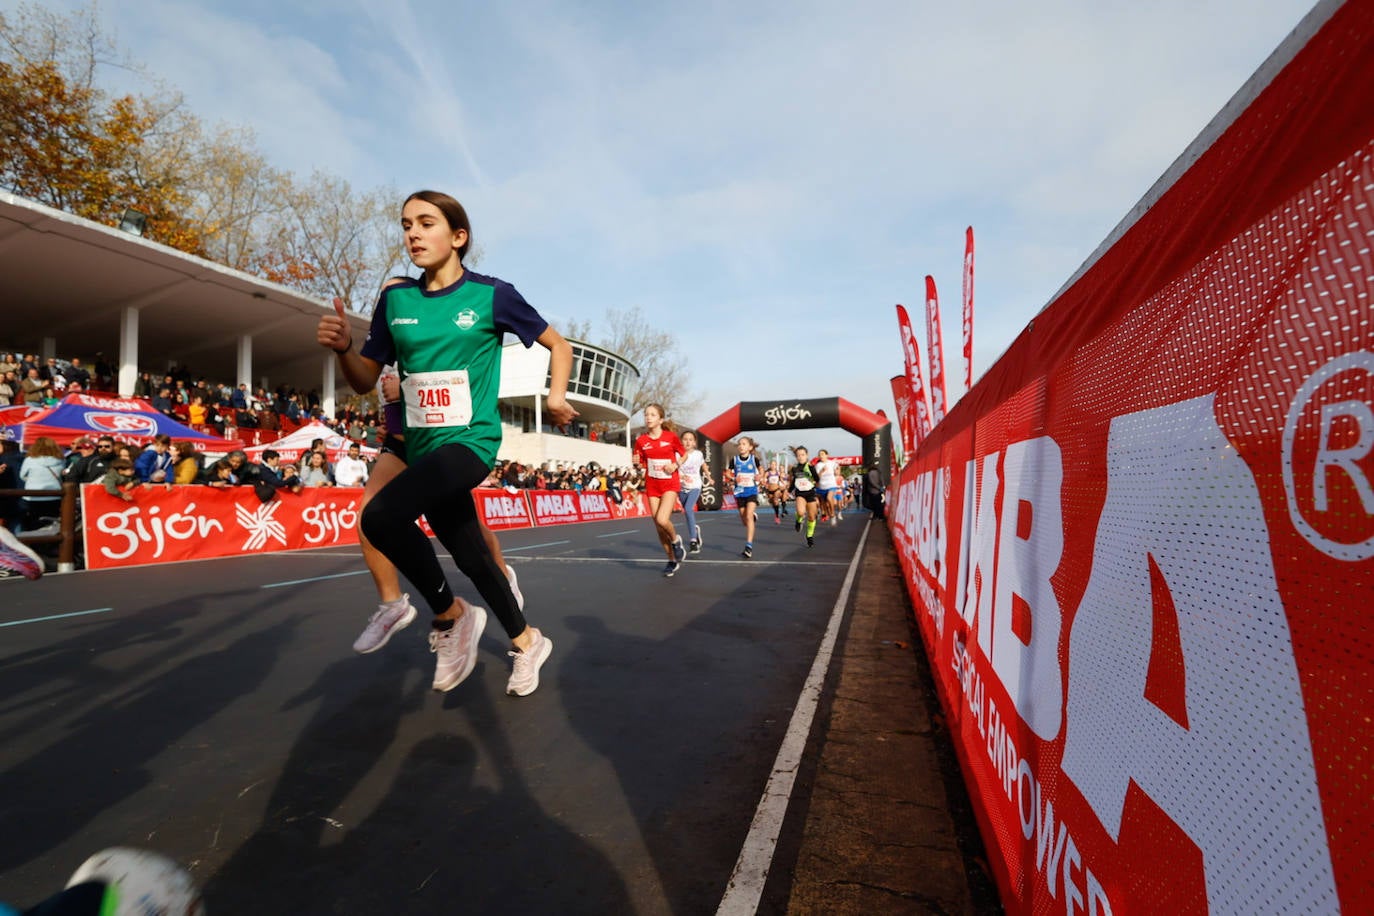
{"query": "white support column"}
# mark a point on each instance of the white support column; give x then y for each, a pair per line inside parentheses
(539, 427)
(245, 362)
(128, 352)
(327, 389)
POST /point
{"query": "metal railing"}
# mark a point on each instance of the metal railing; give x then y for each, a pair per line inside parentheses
(66, 529)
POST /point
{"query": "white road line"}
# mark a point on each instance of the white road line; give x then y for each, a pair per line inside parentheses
(15, 623)
(310, 553)
(533, 546)
(358, 572)
(616, 534)
(745, 888)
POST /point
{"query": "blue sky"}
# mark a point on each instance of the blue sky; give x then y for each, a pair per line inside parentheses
(767, 180)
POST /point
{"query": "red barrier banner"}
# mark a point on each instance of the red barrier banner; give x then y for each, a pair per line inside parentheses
(561, 507)
(503, 510)
(167, 525)
(1141, 549)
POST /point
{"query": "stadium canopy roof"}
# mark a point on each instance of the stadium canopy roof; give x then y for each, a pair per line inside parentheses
(69, 282)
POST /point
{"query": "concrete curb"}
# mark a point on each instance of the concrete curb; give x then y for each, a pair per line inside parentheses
(888, 828)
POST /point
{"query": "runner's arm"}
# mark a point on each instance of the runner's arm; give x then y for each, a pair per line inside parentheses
(560, 369)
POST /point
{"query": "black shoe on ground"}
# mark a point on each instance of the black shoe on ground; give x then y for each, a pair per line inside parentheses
(670, 569)
(810, 542)
(747, 553)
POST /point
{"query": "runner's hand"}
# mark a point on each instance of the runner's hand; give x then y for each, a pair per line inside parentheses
(391, 388)
(561, 412)
(333, 332)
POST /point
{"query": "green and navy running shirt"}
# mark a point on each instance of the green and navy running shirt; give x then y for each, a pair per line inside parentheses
(446, 345)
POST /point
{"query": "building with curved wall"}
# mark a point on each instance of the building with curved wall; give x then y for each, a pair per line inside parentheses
(600, 389)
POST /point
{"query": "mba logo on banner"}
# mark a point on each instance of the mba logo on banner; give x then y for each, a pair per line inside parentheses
(503, 510)
(1141, 552)
(562, 507)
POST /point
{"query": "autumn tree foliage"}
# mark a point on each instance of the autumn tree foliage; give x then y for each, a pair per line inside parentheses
(67, 143)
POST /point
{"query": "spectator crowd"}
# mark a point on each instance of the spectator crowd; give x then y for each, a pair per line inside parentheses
(224, 410)
(211, 407)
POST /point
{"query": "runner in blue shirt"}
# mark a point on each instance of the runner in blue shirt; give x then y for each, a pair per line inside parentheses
(745, 472)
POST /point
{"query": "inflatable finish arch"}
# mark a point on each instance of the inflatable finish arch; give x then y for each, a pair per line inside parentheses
(769, 416)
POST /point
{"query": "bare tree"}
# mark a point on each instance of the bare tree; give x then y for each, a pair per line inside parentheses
(662, 369)
(577, 329)
(334, 242)
(66, 143)
(237, 197)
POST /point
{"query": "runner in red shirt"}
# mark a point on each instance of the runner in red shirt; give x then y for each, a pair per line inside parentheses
(659, 452)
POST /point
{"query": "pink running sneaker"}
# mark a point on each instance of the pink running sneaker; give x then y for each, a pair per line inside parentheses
(16, 556)
(387, 619)
(456, 648)
(524, 677)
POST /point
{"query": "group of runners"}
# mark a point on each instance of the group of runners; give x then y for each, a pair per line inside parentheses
(673, 467)
(433, 353)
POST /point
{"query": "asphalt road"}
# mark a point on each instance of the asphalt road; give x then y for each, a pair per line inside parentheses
(213, 711)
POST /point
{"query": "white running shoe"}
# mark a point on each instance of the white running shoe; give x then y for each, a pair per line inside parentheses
(16, 556)
(515, 588)
(679, 551)
(387, 619)
(524, 677)
(456, 648)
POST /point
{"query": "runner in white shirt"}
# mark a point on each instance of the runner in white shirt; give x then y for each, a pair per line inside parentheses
(689, 487)
(351, 471)
(827, 469)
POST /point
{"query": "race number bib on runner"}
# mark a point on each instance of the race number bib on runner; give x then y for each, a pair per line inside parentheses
(435, 399)
(804, 483)
(661, 468)
(744, 480)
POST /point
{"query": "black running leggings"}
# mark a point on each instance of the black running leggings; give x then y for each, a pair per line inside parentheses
(439, 487)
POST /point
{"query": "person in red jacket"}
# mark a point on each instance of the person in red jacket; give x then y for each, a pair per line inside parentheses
(658, 453)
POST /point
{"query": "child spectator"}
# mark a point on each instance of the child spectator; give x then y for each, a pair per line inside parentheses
(154, 465)
(120, 481)
(272, 476)
(219, 474)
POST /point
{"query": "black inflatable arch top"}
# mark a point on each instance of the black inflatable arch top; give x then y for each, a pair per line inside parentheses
(768, 416)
